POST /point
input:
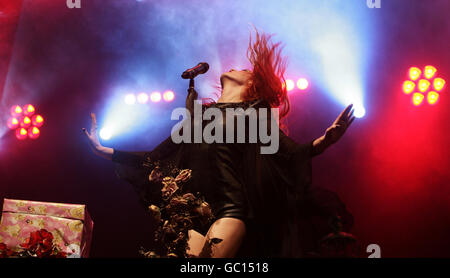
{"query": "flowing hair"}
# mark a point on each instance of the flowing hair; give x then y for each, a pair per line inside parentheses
(269, 67)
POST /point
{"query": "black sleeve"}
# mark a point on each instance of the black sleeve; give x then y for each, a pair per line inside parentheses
(298, 159)
(135, 167)
(139, 159)
(129, 158)
(292, 149)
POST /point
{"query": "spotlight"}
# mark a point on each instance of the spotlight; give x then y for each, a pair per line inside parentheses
(429, 72)
(34, 132)
(25, 122)
(28, 110)
(21, 133)
(424, 85)
(359, 111)
(168, 96)
(290, 85)
(142, 98)
(438, 84)
(432, 97)
(13, 123)
(130, 99)
(16, 111)
(414, 73)
(417, 99)
(37, 120)
(155, 97)
(302, 84)
(408, 86)
(427, 83)
(105, 133)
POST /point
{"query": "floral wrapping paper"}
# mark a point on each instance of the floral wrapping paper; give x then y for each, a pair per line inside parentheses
(70, 224)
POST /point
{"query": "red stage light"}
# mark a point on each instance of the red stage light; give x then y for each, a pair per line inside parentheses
(37, 120)
(418, 99)
(25, 122)
(408, 86)
(414, 73)
(21, 133)
(13, 123)
(429, 72)
(432, 97)
(424, 85)
(28, 110)
(33, 132)
(438, 84)
(168, 95)
(16, 111)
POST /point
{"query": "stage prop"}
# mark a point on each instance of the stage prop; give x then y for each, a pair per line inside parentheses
(69, 224)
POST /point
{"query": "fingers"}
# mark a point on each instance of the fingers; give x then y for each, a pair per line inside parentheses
(346, 110)
(344, 114)
(351, 121)
(85, 132)
(94, 124)
(350, 114)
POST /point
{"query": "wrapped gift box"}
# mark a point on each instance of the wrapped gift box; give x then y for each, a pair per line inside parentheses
(70, 224)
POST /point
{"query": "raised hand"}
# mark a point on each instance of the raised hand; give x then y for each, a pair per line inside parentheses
(339, 126)
(335, 131)
(94, 141)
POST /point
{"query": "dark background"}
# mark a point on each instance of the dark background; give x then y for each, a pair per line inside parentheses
(391, 168)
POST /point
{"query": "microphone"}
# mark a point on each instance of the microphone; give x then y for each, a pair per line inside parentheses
(193, 72)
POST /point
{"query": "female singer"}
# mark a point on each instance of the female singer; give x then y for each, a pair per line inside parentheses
(263, 204)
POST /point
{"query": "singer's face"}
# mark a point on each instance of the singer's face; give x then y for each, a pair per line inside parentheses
(239, 77)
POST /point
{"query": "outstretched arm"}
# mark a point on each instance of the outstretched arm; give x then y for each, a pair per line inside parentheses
(335, 131)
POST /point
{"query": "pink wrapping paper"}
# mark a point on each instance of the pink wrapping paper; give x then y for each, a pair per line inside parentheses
(70, 224)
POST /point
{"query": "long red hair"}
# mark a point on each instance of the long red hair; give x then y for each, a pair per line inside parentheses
(269, 67)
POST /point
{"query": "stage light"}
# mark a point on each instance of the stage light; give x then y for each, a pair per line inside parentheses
(130, 99)
(105, 133)
(290, 85)
(432, 97)
(429, 72)
(13, 123)
(302, 84)
(423, 85)
(37, 120)
(34, 132)
(21, 133)
(408, 86)
(414, 73)
(438, 84)
(25, 122)
(359, 111)
(168, 96)
(155, 97)
(417, 99)
(142, 98)
(16, 111)
(28, 110)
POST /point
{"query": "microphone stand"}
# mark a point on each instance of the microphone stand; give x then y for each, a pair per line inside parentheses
(191, 97)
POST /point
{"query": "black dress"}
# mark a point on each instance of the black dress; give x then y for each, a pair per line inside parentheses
(271, 193)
